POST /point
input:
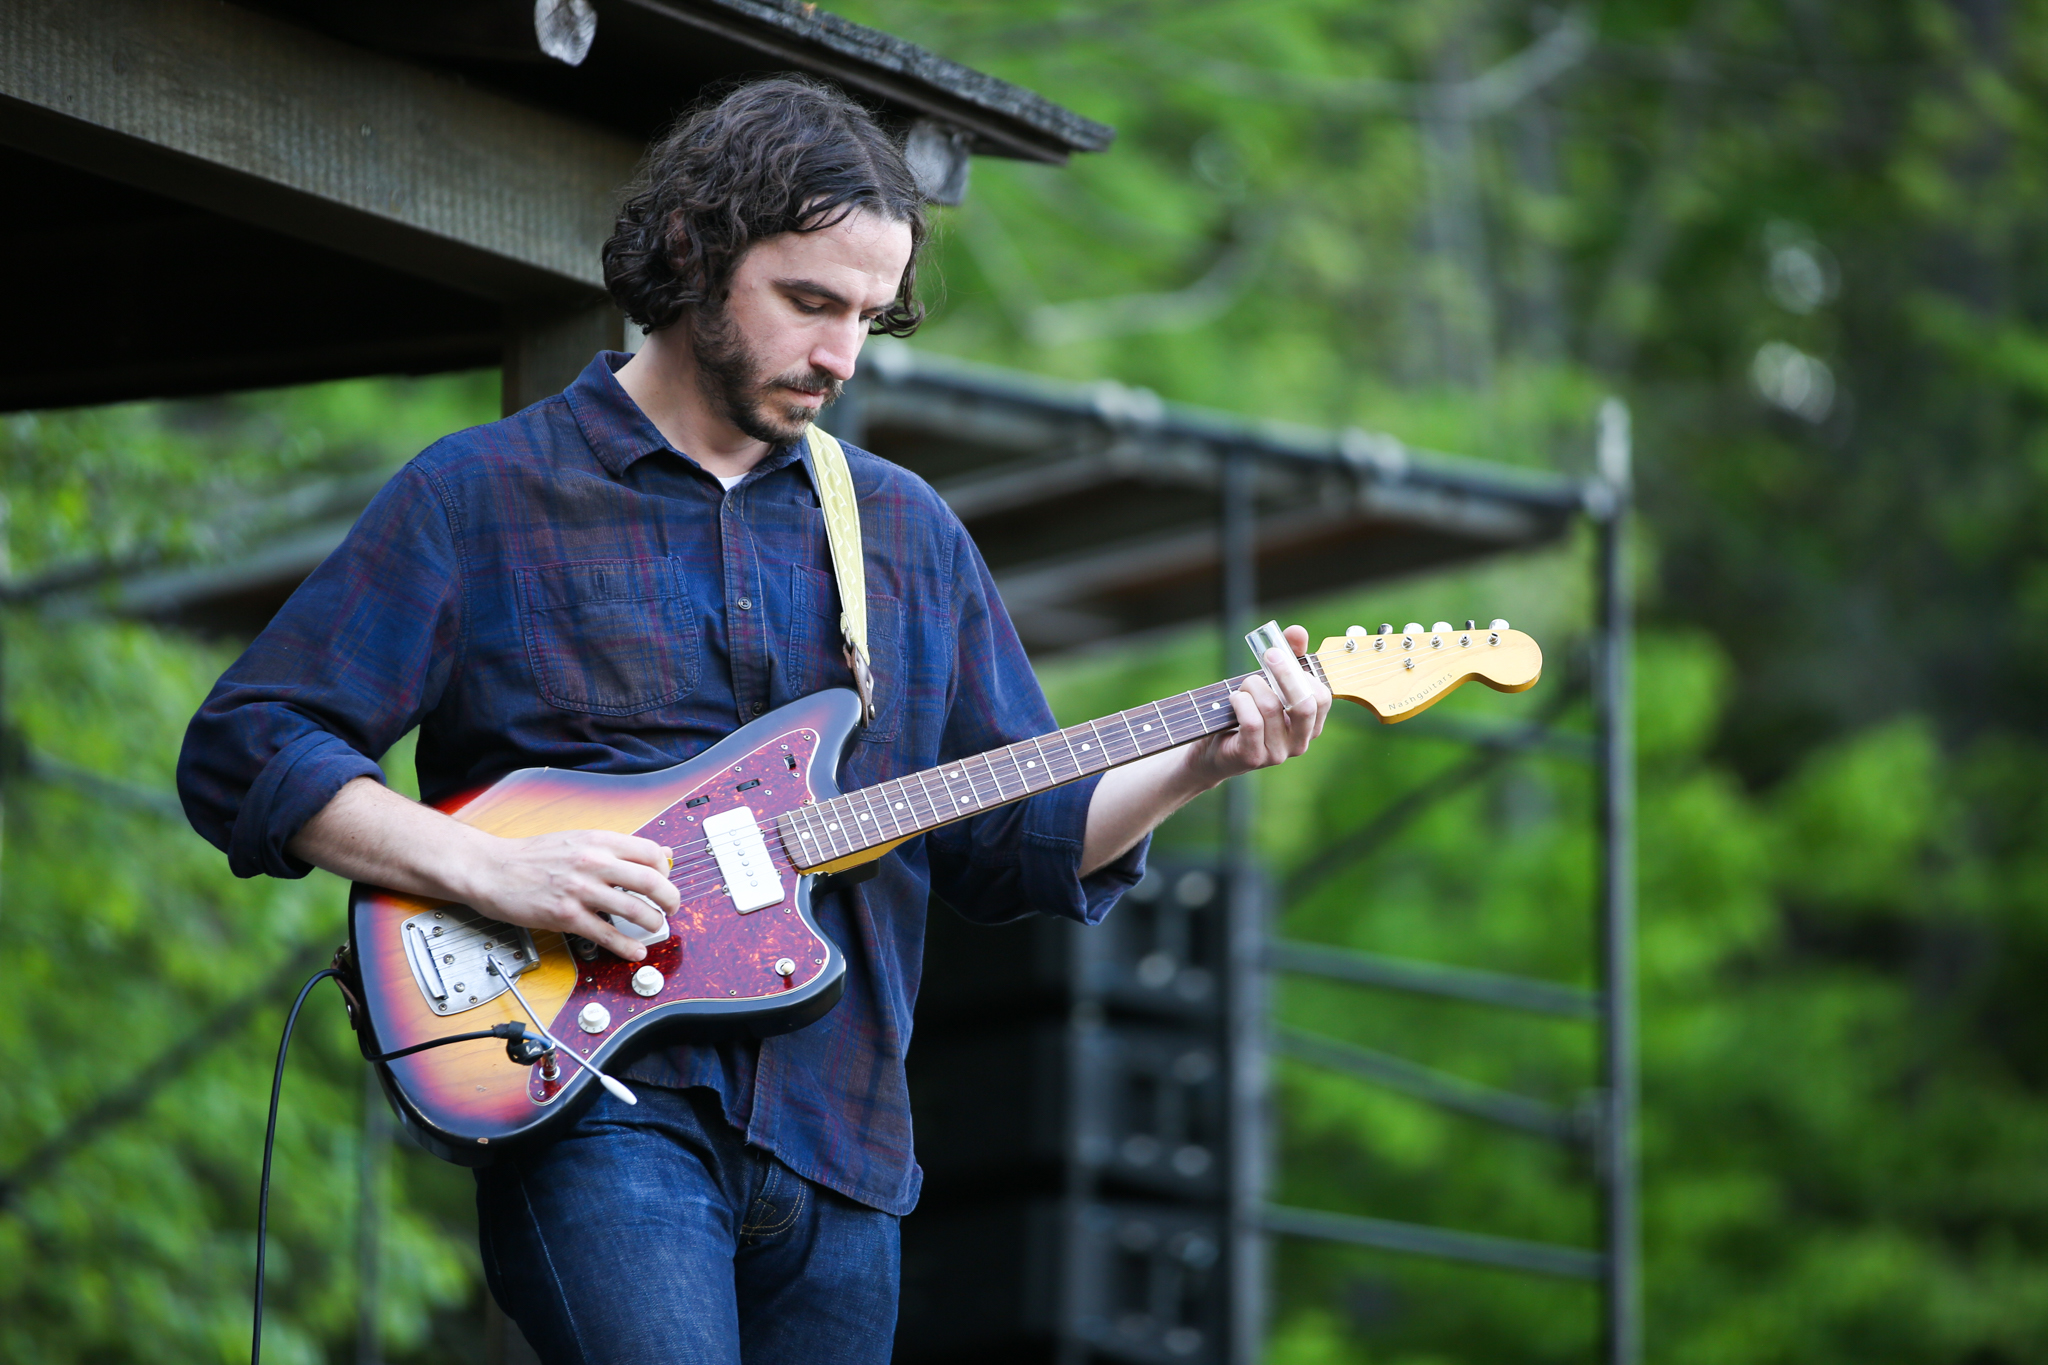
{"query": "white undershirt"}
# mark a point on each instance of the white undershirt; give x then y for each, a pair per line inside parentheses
(728, 482)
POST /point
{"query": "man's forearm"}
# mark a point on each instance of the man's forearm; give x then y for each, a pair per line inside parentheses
(1131, 801)
(568, 881)
(369, 833)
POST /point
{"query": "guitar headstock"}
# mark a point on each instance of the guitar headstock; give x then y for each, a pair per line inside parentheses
(1398, 674)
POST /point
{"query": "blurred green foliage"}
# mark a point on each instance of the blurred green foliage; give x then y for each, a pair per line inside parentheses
(1799, 238)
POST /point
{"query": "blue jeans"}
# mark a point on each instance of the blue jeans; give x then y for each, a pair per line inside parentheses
(653, 1233)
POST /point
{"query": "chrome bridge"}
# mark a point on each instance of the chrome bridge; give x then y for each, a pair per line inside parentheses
(446, 947)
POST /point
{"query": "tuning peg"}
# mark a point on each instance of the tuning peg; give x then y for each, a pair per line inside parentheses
(1471, 625)
(1412, 628)
(1386, 627)
(1440, 627)
(1497, 624)
(1354, 631)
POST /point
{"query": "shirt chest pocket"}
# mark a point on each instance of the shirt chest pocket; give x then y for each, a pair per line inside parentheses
(613, 637)
(817, 655)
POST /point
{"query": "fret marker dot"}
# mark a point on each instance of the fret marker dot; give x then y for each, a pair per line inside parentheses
(863, 817)
(806, 836)
(963, 800)
(832, 826)
(1084, 746)
(899, 805)
(1148, 727)
(1031, 763)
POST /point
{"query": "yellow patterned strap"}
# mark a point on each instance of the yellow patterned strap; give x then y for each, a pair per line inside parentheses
(827, 463)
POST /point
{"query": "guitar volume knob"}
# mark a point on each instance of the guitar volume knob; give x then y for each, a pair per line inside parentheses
(593, 1018)
(648, 981)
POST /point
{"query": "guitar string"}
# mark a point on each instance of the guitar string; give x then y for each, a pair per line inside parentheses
(701, 860)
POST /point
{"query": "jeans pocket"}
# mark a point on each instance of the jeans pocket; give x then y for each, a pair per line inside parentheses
(613, 637)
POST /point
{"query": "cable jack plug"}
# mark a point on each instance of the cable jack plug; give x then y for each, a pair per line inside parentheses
(520, 1046)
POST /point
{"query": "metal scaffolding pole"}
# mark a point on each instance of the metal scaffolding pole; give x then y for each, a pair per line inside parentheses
(1244, 995)
(1616, 1153)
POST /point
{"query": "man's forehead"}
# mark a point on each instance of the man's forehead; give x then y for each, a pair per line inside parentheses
(864, 251)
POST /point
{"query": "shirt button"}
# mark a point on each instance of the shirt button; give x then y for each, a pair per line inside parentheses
(759, 707)
(746, 604)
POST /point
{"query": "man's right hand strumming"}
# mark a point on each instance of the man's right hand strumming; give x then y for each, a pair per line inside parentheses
(369, 833)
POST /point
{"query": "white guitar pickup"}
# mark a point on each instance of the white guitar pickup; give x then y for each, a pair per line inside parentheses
(742, 853)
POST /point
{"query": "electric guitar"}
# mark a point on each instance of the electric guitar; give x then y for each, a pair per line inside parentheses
(754, 822)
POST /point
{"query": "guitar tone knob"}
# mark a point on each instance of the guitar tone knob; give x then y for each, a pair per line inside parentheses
(648, 981)
(593, 1018)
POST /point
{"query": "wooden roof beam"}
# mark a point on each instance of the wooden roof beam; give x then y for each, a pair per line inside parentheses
(276, 125)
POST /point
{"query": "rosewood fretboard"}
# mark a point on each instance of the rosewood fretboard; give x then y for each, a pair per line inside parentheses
(907, 806)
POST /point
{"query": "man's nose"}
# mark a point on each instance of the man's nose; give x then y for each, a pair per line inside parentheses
(839, 350)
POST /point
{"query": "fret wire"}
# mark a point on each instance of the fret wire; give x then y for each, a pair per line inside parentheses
(899, 800)
(988, 760)
(1044, 763)
(1160, 711)
(1137, 746)
(954, 797)
(1194, 714)
(1008, 751)
(1016, 754)
(931, 806)
(1072, 734)
(836, 825)
(1066, 738)
(810, 845)
(866, 797)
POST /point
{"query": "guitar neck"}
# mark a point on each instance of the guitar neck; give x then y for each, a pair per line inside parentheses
(890, 812)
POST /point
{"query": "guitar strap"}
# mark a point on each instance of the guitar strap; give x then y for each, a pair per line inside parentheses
(834, 482)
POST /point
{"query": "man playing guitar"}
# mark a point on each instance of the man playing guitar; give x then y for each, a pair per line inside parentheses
(613, 580)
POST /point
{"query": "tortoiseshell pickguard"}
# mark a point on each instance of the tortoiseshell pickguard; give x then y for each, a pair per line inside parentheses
(712, 952)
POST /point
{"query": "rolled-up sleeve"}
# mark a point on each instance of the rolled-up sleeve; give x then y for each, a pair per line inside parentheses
(357, 655)
(1023, 858)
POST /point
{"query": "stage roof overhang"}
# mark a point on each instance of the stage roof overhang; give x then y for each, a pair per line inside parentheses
(1096, 506)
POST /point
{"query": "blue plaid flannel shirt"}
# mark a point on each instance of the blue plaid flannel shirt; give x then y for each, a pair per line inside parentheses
(455, 605)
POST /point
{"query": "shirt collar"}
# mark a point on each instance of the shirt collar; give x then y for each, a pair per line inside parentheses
(619, 433)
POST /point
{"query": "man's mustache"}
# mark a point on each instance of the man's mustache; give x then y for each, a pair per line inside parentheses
(809, 381)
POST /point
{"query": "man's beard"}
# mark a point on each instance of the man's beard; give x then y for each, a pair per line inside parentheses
(730, 378)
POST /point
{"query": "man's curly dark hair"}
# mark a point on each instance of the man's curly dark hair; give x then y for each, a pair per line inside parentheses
(781, 155)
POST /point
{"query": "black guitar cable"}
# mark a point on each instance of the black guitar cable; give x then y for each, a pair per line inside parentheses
(269, 1142)
(518, 1046)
